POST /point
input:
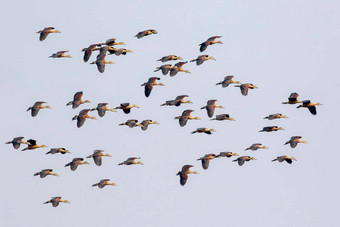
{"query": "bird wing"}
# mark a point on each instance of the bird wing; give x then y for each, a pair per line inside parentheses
(205, 163)
(244, 89)
(312, 109)
(148, 89)
(204, 46)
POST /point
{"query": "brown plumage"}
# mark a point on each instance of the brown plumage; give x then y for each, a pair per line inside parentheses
(75, 163)
(17, 141)
(206, 160)
(183, 174)
(97, 156)
(294, 140)
(169, 58)
(183, 119)
(202, 58)
(45, 172)
(145, 33)
(222, 117)
(146, 123)
(126, 107)
(131, 123)
(101, 62)
(204, 130)
(178, 68)
(61, 54)
(112, 42)
(292, 99)
(209, 42)
(81, 117)
(241, 160)
(45, 32)
(256, 146)
(58, 150)
(120, 51)
(177, 101)
(210, 107)
(77, 100)
(102, 108)
(36, 107)
(271, 129)
(227, 154)
(131, 161)
(245, 87)
(149, 85)
(228, 80)
(275, 116)
(103, 183)
(56, 200)
(32, 144)
(311, 106)
(164, 68)
(88, 51)
(284, 158)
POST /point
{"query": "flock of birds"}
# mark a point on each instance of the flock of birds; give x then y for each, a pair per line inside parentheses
(101, 109)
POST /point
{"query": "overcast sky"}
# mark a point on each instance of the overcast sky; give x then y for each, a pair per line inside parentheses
(279, 46)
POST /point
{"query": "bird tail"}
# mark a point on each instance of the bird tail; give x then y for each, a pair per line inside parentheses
(235, 160)
(157, 69)
(36, 174)
(299, 106)
(286, 143)
(193, 132)
(122, 163)
(178, 173)
(219, 83)
(8, 142)
(274, 160)
(68, 164)
(95, 185)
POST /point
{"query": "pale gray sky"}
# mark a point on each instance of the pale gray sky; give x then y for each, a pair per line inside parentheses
(280, 46)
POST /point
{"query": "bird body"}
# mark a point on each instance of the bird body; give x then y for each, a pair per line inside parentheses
(17, 141)
(36, 107)
(149, 85)
(61, 54)
(146, 123)
(75, 163)
(112, 42)
(97, 157)
(58, 150)
(102, 108)
(101, 62)
(76, 102)
(176, 102)
(206, 160)
(55, 201)
(210, 107)
(183, 174)
(121, 51)
(209, 42)
(183, 119)
(275, 116)
(45, 32)
(222, 117)
(202, 58)
(245, 87)
(131, 123)
(271, 129)
(294, 140)
(131, 161)
(241, 160)
(88, 51)
(311, 106)
(178, 68)
(32, 144)
(81, 117)
(103, 183)
(145, 33)
(256, 146)
(126, 107)
(204, 130)
(227, 154)
(228, 80)
(284, 158)
(169, 58)
(164, 68)
(292, 99)
(45, 172)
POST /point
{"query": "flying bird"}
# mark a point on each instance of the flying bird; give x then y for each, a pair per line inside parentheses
(88, 51)
(61, 54)
(77, 100)
(146, 123)
(183, 119)
(311, 106)
(245, 87)
(285, 158)
(17, 141)
(206, 160)
(292, 99)
(210, 107)
(112, 42)
(55, 201)
(178, 68)
(100, 62)
(58, 150)
(149, 85)
(131, 123)
(103, 183)
(227, 154)
(164, 68)
(183, 174)
(102, 108)
(32, 144)
(209, 41)
(169, 58)
(177, 101)
(36, 107)
(81, 117)
(241, 160)
(75, 163)
(204, 130)
(222, 117)
(126, 107)
(256, 146)
(45, 172)
(271, 129)
(228, 80)
(145, 33)
(202, 58)
(121, 51)
(44, 33)
(275, 116)
(97, 156)
(294, 140)
(131, 161)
